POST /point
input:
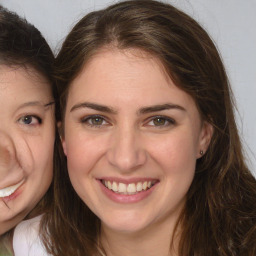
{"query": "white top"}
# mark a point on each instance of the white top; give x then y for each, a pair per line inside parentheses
(26, 241)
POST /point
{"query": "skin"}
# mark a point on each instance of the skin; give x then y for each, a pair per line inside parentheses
(26, 141)
(132, 140)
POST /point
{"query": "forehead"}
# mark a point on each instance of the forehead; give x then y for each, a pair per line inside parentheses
(120, 68)
(111, 58)
(20, 83)
(112, 74)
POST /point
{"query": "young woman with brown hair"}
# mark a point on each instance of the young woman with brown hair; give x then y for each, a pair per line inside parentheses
(153, 152)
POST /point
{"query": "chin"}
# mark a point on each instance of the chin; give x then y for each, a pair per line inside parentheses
(125, 225)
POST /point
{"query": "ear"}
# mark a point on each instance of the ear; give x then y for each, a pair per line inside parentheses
(62, 137)
(204, 138)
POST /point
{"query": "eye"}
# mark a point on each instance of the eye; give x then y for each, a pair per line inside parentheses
(95, 121)
(30, 120)
(160, 121)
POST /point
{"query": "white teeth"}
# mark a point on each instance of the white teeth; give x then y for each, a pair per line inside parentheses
(139, 186)
(131, 188)
(10, 190)
(109, 185)
(122, 188)
(114, 187)
(145, 185)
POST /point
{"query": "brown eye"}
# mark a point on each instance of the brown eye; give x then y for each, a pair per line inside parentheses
(95, 121)
(159, 121)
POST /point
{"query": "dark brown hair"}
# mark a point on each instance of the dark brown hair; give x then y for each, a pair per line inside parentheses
(219, 217)
(22, 45)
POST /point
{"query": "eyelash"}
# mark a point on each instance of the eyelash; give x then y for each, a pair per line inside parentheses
(167, 121)
(22, 120)
(87, 120)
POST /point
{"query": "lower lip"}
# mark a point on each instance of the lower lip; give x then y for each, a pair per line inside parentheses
(126, 199)
(14, 195)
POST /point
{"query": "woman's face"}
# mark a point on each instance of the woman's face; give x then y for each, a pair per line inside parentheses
(132, 139)
(26, 142)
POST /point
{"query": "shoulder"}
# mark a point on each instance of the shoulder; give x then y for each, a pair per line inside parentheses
(26, 239)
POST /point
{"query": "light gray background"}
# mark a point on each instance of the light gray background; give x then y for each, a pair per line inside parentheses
(231, 23)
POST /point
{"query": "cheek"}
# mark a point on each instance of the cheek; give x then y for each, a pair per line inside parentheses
(176, 159)
(176, 153)
(82, 152)
(40, 151)
(43, 159)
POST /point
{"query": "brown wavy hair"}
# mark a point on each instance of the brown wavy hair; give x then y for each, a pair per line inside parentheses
(219, 218)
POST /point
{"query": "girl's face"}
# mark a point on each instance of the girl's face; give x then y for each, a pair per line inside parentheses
(26, 142)
(132, 139)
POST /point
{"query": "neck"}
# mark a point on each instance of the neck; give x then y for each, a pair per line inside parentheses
(154, 240)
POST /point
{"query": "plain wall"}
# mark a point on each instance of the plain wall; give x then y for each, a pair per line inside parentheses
(231, 24)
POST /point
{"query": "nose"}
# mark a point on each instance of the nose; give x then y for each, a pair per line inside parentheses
(126, 151)
(7, 155)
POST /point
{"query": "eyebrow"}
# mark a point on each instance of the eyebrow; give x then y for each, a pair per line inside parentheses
(160, 107)
(144, 110)
(36, 103)
(94, 106)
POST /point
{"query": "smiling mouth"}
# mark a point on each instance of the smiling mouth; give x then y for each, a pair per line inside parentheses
(128, 189)
(10, 190)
